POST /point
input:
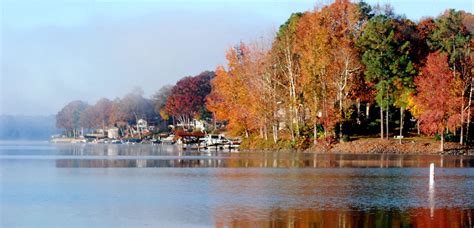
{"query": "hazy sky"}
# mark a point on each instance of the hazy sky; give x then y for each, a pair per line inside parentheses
(55, 51)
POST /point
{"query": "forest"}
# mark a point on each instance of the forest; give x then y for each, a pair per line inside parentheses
(336, 73)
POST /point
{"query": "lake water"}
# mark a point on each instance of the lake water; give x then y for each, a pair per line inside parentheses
(46, 185)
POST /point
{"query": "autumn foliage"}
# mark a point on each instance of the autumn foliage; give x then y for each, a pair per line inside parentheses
(187, 98)
(323, 66)
(240, 93)
(439, 96)
(339, 70)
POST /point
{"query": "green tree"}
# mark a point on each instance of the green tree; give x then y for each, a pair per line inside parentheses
(377, 54)
(387, 53)
(403, 67)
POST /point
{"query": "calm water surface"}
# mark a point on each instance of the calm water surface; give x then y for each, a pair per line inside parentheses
(46, 185)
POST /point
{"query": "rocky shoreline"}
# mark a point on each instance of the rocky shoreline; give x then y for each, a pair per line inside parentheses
(381, 146)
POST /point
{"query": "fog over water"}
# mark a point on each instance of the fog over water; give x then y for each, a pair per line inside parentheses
(55, 51)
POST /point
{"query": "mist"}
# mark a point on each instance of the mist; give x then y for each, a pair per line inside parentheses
(110, 51)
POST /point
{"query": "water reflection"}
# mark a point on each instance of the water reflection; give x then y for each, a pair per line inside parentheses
(138, 163)
(66, 185)
(264, 160)
(431, 200)
(134, 156)
(350, 217)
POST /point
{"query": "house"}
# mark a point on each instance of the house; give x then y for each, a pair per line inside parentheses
(113, 133)
(199, 124)
(142, 125)
(196, 124)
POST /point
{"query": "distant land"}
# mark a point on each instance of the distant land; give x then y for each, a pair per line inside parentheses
(27, 127)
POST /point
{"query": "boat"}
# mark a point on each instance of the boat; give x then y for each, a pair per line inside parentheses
(169, 139)
(132, 141)
(218, 142)
(116, 141)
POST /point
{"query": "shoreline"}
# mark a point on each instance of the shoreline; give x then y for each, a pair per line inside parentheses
(380, 146)
(359, 146)
(383, 146)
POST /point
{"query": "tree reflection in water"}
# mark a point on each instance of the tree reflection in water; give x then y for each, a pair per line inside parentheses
(260, 161)
(281, 189)
(351, 217)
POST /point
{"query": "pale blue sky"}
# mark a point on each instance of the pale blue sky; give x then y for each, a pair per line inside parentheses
(55, 51)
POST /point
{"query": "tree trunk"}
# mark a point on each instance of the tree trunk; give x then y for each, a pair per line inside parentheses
(342, 118)
(367, 111)
(442, 142)
(386, 123)
(265, 132)
(461, 137)
(340, 132)
(297, 121)
(401, 123)
(469, 112)
(358, 111)
(275, 133)
(381, 123)
(292, 92)
(418, 127)
(386, 118)
(214, 120)
(290, 123)
(315, 132)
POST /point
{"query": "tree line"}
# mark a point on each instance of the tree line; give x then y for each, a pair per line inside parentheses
(183, 101)
(313, 80)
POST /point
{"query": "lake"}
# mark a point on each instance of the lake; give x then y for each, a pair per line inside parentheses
(48, 185)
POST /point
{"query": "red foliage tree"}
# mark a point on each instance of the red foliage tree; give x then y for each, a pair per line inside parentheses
(187, 99)
(438, 96)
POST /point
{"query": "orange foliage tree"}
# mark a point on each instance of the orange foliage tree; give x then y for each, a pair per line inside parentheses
(329, 61)
(240, 94)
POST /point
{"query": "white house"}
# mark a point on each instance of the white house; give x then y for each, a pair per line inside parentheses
(196, 124)
(142, 125)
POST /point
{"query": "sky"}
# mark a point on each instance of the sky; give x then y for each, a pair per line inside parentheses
(56, 51)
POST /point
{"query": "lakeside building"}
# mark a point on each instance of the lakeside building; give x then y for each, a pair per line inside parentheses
(195, 124)
(113, 133)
